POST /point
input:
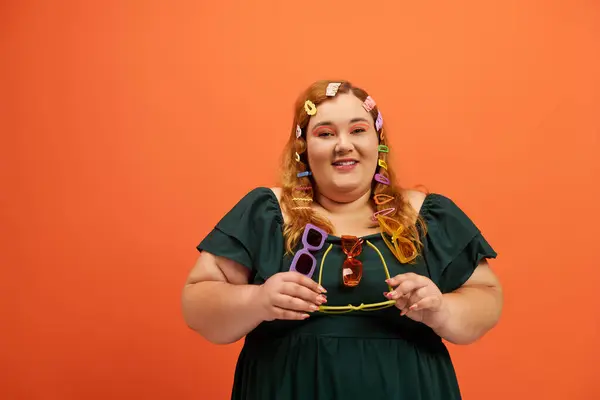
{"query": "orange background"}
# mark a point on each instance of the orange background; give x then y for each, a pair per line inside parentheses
(130, 128)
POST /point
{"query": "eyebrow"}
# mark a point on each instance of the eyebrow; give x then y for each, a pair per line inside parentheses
(331, 123)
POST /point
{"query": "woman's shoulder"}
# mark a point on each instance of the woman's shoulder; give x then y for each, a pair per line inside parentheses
(276, 192)
(454, 244)
(241, 233)
(415, 198)
(444, 218)
(424, 203)
(260, 194)
(258, 203)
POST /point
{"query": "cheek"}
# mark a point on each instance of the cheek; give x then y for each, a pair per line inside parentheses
(318, 151)
(369, 147)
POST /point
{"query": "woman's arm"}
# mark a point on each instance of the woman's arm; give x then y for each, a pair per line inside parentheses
(460, 317)
(218, 302)
(473, 309)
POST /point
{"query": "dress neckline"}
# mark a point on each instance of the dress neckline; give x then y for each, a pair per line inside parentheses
(330, 237)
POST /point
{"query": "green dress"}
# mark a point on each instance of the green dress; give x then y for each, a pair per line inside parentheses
(360, 354)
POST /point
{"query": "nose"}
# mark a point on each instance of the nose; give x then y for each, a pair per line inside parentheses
(344, 144)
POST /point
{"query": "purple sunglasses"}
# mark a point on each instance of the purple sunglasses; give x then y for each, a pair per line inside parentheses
(313, 239)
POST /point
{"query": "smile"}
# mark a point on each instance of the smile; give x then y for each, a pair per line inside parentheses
(345, 162)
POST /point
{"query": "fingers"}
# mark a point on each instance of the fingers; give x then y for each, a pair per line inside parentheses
(406, 288)
(428, 303)
(294, 303)
(417, 295)
(291, 295)
(281, 313)
(304, 281)
(414, 293)
(413, 299)
(402, 302)
(399, 280)
(405, 301)
(420, 299)
(296, 290)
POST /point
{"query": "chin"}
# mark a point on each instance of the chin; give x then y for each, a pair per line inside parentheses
(346, 185)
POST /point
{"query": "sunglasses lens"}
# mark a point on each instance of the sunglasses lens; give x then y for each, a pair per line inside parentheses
(314, 238)
(352, 272)
(351, 246)
(392, 224)
(407, 249)
(304, 264)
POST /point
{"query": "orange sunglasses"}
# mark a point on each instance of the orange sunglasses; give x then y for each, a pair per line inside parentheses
(352, 268)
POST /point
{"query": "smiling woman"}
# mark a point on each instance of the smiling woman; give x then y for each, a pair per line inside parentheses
(343, 283)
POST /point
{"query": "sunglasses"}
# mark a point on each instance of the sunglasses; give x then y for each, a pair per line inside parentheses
(398, 244)
(352, 268)
(352, 248)
(313, 239)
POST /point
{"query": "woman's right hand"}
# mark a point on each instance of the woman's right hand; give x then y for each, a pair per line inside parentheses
(289, 295)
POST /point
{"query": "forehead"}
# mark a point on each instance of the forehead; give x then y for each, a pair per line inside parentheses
(339, 110)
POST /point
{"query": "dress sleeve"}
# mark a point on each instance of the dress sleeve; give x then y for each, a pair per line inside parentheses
(453, 246)
(244, 232)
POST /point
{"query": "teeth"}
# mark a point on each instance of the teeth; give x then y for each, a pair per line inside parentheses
(345, 163)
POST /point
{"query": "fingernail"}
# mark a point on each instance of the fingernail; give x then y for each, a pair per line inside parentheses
(321, 299)
(322, 289)
(305, 316)
(390, 295)
(403, 313)
(413, 307)
(313, 307)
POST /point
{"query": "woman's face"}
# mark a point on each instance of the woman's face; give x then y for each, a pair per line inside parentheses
(342, 148)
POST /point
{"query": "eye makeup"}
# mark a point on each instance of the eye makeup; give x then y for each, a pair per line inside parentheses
(328, 127)
(322, 129)
(360, 125)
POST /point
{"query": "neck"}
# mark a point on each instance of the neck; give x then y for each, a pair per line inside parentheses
(335, 207)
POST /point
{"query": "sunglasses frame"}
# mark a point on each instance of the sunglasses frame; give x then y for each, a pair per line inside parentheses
(397, 238)
(362, 306)
(307, 248)
(355, 265)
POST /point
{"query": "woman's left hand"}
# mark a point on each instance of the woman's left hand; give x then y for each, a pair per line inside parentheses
(418, 298)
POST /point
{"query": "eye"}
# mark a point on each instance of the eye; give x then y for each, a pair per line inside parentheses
(359, 130)
(325, 133)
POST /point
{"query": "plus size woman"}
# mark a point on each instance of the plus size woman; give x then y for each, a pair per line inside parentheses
(342, 283)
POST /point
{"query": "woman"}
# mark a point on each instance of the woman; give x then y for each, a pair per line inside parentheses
(343, 284)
